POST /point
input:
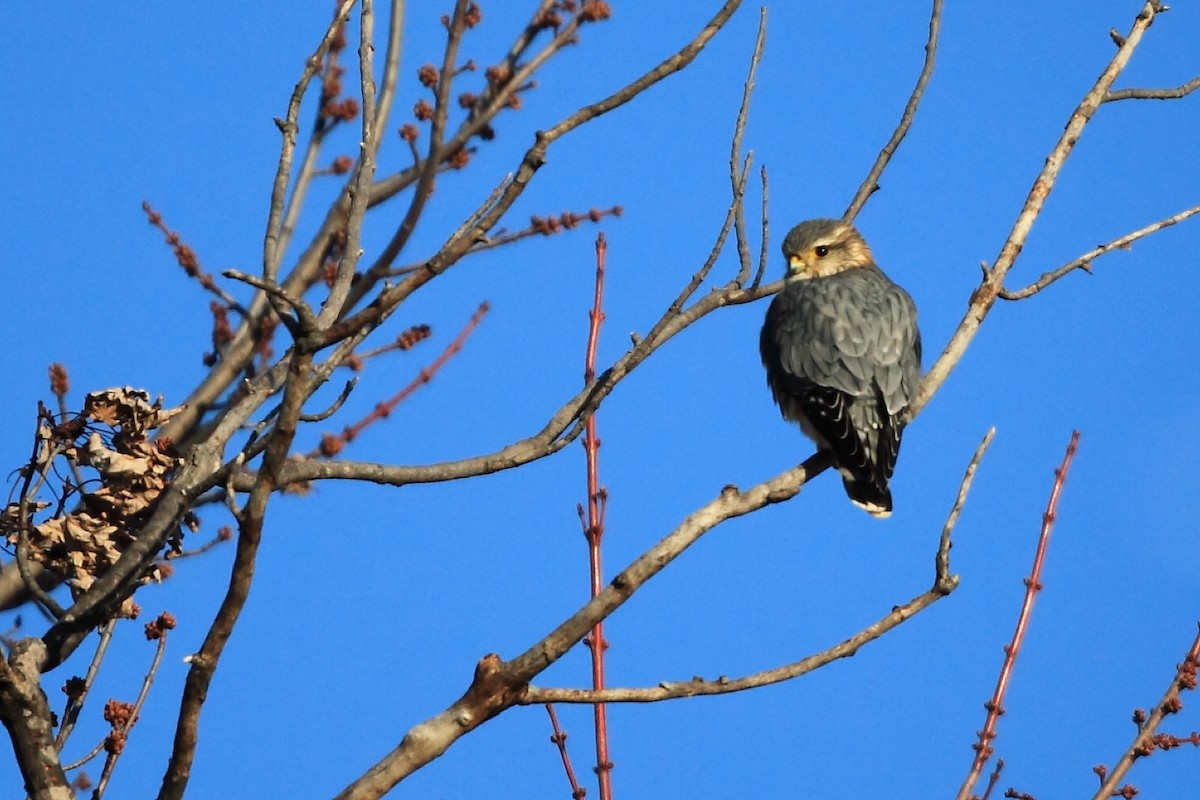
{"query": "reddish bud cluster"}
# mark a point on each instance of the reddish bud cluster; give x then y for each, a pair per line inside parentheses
(1166, 741)
(473, 16)
(343, 111)
(331, 83)
(1187, 673)
(415, 334)
(117, 713)
(460, 159)
(570, 219)
(408, 132)
(338, 43)
(595, 11)
(114, 743)
(428, 76)
(514, 101)
(222, 332)
(550, 18)
(330, 445)
(498, 74)
(159, 627)
(423, 111)
(467, 99)
(341, 165)
(81, 782)
(60, 384)
(224, 533)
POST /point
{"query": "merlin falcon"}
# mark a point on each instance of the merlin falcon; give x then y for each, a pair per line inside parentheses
(843, 355)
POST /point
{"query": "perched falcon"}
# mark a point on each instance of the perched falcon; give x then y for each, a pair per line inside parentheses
(843, 355)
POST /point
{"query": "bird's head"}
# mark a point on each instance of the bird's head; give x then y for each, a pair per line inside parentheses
(821, 247)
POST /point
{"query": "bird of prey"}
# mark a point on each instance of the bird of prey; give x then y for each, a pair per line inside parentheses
(843, 355)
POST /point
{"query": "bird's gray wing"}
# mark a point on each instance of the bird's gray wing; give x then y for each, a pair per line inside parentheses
(813, 357)
(843, 351)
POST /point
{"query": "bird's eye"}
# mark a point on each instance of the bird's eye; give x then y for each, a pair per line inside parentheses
(821, 251)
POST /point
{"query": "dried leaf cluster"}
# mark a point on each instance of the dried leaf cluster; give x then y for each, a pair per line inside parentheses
(97, 513)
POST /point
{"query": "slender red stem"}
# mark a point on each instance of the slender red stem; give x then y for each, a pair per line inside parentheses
(593, 527)
(331, 444)
(559, 737)
(1033, 584)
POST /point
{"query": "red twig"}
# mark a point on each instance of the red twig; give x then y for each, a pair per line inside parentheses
(124, 716)
(187, 259)
(1033, 584)
(332, 444)
(559, 737)
(1147, 740)
(993, 779)
(593, 526)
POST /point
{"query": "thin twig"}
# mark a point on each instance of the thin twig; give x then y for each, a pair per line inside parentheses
(1143, 742)
(870, 184)
(737, 182)
(86, 757)
(1033, 585)
(360, 188)
(943, 578)
(766, 229)
(433, 157)
(338, 402)
(288, 127)
(559, 737)
(1084, 262)
(76, 699)
(117, 739)
(333, 444)
(593, 527)
(1153, 94)
(993, 779)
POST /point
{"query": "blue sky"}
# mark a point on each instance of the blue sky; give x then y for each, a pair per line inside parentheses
(371, 606)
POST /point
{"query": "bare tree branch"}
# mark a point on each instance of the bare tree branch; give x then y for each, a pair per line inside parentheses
(870, 184)
(944, 583)
(985, 296)
(499, 685)
(1153, 94)
(1084, 262)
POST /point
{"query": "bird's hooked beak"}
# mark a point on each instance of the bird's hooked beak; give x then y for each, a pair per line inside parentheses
(803, 265)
